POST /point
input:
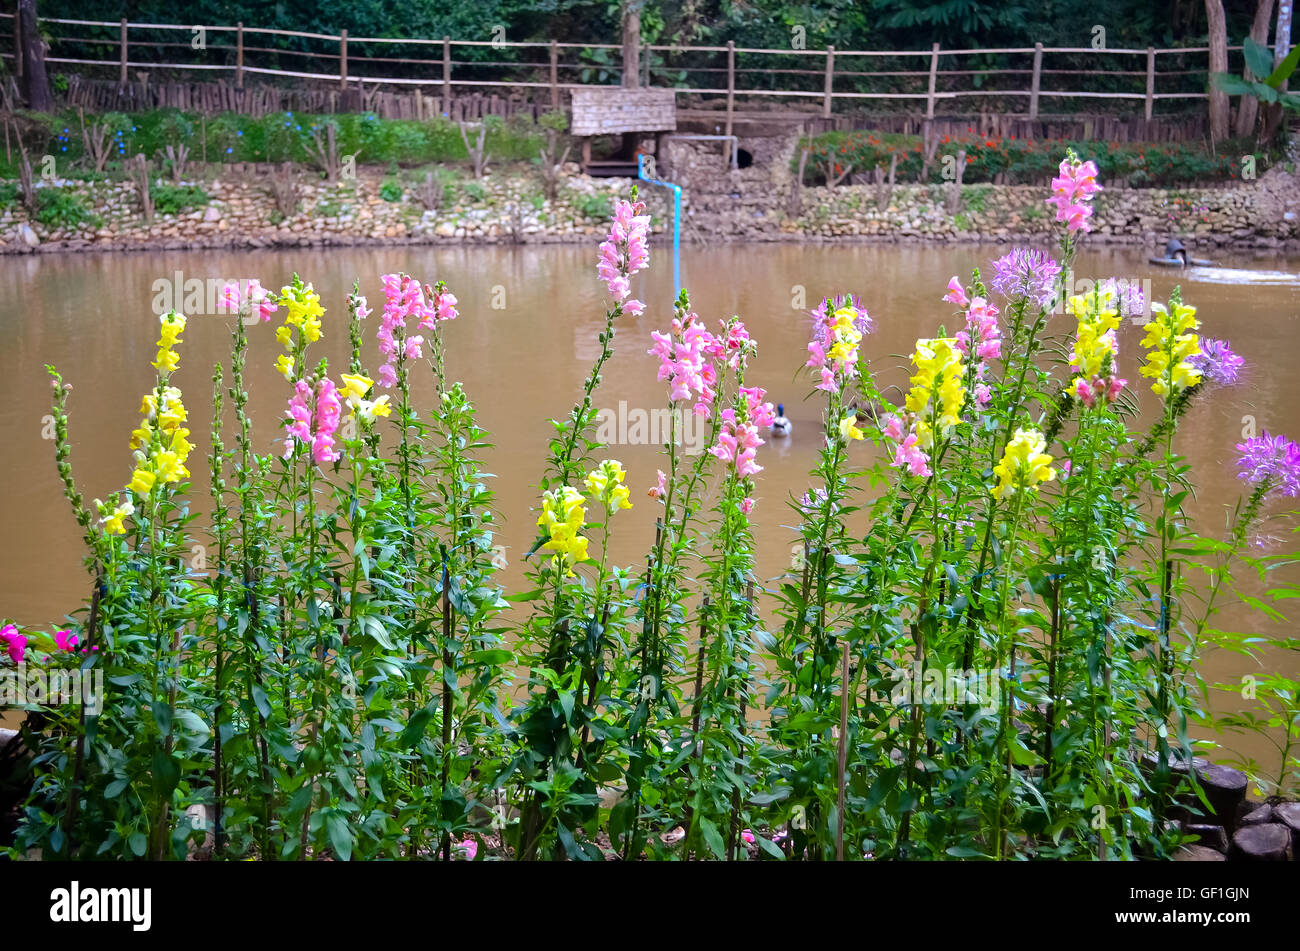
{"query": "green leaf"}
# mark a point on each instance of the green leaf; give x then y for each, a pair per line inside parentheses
(414, 731)
(138, 843)
(166, 774)
(1232, 85)
(1284, 69)
(713, 838)
(263, 703)
(1258, 58)
(336, 827)
(491, 658)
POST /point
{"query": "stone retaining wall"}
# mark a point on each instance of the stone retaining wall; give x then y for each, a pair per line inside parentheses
(753, 204)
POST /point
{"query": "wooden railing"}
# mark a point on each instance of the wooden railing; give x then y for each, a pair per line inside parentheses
(943, 75)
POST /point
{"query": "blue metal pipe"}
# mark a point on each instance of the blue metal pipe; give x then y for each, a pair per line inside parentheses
(677, 221)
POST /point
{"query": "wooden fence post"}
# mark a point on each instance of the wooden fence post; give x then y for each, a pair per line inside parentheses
(1151, 81)
(1034, 86)
(731, 97)
(122, 74)
(343, 59)
(555, 75)
(934, 78)
(239, 55)
(446, 75)
(830, 80)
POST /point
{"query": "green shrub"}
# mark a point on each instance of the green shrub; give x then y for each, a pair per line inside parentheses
(56, 208)
(1019, 161)
(390, 191)
(594, 206)
(173, 199)
(9, 194)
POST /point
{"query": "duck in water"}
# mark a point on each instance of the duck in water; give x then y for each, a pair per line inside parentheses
(780, 425)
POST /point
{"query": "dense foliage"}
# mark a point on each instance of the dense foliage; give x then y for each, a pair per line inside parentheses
(986, 644)
(1016, 161)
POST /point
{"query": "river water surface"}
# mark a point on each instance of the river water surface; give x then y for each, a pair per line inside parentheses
(524, 341)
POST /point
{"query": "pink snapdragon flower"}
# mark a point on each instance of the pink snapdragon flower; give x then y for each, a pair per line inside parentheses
(738, 442)
(982, 333)
(910, 456)
(956, 293)
(313, 420)
(685, 361)
(442, 305)
(404, 300)
(299, 427)
(259, 299)
(625, 252)
(1072, 193)
(14, 642)
(660, 490)
(1104, 388)
(329, 410)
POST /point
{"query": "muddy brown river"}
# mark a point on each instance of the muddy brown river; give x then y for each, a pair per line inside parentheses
(524, 341)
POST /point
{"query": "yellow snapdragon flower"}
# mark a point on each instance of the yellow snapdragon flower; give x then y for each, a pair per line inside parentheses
(1024, 464)
(606, 483)
(939, 376)
(142, 481)
(849, 429)
(563, 517)
(845, 335)
(113, 523)
(1171, 341)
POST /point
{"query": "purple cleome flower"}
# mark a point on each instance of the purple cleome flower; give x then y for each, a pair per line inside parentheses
(1026, 273)
(1271, 460)
(1128, 296)
(1217, 363)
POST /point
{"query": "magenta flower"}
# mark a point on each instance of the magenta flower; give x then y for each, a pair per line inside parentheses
(747, 836)
(329, 410)
(14, 642)
(956, 293)
(1026, 273)
(299, 427)
(686, 357)
(467, 850)
(747, 505)
(1271, 462)
(442, 306)
(313, 420)
(258, 297)
(910, 456)
(66, 640)
(660, 490)
(404, 301)
(1073, 191)
(1216, 362)
(625, 252)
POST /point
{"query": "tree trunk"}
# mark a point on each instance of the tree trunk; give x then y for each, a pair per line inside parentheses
(1218, 31)
(1249, 108)
(1282, 40)
(632, 44)
(36, 86)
